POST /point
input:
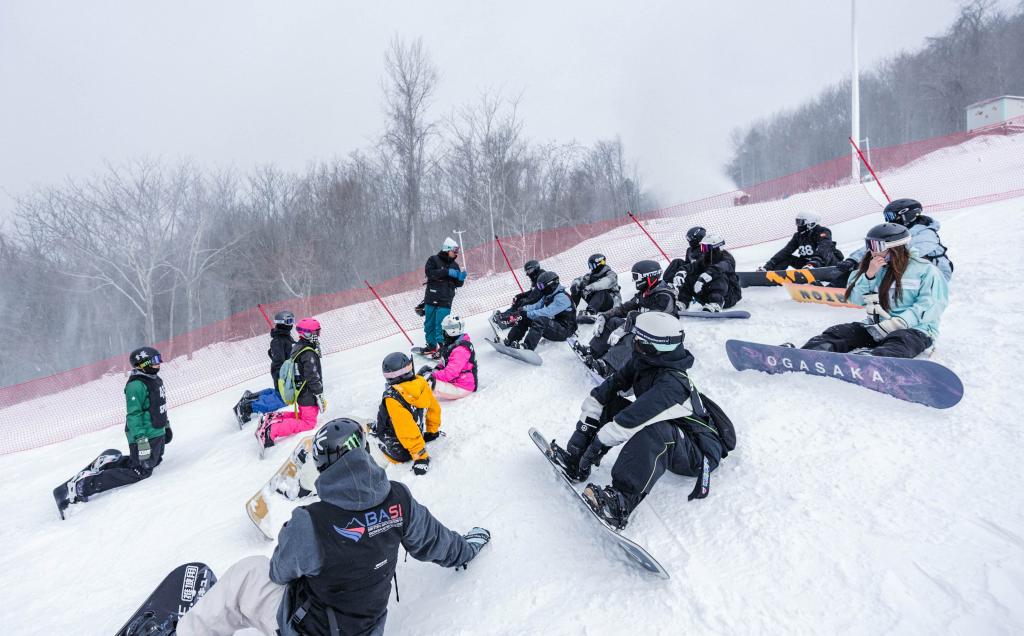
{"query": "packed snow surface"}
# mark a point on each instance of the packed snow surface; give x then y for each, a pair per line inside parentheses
(842, 510)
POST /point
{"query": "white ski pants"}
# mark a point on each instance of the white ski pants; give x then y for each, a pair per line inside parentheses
(448, 391)
(244, 597)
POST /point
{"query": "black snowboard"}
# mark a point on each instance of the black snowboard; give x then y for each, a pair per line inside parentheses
(60, 492)
(176, 594)
(782, 276)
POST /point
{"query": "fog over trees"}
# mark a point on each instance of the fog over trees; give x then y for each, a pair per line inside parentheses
(150, 249)
(911, 96)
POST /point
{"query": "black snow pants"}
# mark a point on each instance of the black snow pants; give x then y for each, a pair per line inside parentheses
(902, 343)
(598, 302)
(599, 344)
(536, 329)
(126, 470)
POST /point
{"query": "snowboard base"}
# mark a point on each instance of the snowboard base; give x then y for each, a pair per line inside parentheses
(913, 380)
(523, 355)
(177, 593)
(634, 551)
(713, 315)
(832, 296)
(284, 483)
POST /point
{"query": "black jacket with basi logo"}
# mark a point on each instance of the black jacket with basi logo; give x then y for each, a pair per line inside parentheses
(339, 555)
(814, 247)
(440, 286)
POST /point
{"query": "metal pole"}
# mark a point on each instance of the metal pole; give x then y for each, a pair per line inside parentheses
(871, 170)
(462, 248)
(505, 256)
(640, 225)
(393, 319)
(854, 93)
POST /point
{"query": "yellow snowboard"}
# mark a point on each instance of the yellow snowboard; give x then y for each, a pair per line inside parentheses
(293, 478)
(832, 296)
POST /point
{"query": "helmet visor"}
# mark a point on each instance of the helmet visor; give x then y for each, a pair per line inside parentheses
(878, 246)
(891, 216)
(152, 361)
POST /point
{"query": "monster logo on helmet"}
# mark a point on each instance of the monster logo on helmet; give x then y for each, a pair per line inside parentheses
(145, 359)
(335, 439)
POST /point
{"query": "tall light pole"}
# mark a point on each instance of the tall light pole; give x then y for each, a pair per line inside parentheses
(854, 94)
(462, 248)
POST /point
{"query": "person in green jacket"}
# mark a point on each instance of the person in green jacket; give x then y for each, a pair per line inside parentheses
(147, 429)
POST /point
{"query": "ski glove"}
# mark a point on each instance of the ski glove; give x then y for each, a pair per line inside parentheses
(599, 325)
(457, 274)
(420, 309)
(886, 327)
(876, 312)
(429, 437)
(144, 451)
(591, 410)
(322, 402)
(615, 336)
(680, 280)
(712, 307)
(763, 268)
(592, 456)
(421, 466)
(847, 266)
(700, 282)
(168, 435)
(477, 538)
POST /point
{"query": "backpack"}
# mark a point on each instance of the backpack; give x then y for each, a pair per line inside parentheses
(286, 378)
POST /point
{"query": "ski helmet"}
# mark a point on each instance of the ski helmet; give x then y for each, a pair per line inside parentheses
(695, 235)
(145, 359)
(657, 332)
(710, 243)
(886, 235)
(902, 211)
(334, 439)
(595, 261)
(807, 221)
(397, 368)
(646, 275)
(309, 329)
(453, 326)
(547, 282)
(532, 269)
(286, 318)
(450, 245)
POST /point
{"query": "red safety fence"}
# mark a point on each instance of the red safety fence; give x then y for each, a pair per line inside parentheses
(943, 173)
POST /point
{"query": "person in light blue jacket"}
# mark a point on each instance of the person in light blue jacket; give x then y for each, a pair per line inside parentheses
(924, 238)
(552, 317)
(903, 293)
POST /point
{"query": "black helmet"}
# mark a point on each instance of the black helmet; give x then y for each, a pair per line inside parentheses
(646, 275)
(397, 368)
(657, 332)
(334, 439)
(902, 211)
(595, 261)
(547, 282)
(532, 269)
(694, 236)
(882, 237)
(145, 359)
(285, 317)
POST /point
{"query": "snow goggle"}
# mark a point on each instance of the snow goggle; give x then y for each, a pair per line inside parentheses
(594, 265)
(151, 362)
(639, 276)
(878, 245)
(651, 344)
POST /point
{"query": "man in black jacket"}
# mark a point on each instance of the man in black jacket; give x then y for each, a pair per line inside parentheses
(533, 270)
(335, 559)
(811, 246)
(610, 346)
(659, 428)
(599, 287)
(269, 400)
(444, 276)
(707, 277)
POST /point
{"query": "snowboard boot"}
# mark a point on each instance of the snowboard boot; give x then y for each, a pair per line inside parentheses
(581, 349)
(431, 351)
(512, 344)
(568, 462)
(263, 434)
(598, 365)
(149, 624)
(243, 410)
(609, 504)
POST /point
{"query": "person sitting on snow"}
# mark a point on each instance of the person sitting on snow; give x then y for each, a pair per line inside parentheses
(310, 400)
(811, 246)
(409, 415)
(552, 317)
(530, 295)
(599, 288)
(455, 376)
(707, 278)
(281, 344)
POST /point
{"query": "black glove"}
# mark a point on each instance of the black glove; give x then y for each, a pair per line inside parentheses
(592, 456)
(429, 437)
(847, 265)
(421, 466)
(477, 538)
(168, 435)
(420, 309)
(425, 369)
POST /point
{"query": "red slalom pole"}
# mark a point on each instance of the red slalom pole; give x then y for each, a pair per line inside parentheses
(382, 304)
(269, 322)
(640, 225)
(502, 248)
(870, 169)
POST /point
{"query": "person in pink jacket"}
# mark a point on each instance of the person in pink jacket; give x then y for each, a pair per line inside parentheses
(455, 376)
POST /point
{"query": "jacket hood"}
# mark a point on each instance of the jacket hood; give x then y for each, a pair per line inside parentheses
(415, 391)
(929, 222)
(281, 330)
(354, 482)
(558, 288)
(680, 359)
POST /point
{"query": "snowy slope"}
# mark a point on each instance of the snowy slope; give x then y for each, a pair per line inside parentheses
(842, 510)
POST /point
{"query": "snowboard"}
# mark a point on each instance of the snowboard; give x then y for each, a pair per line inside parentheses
(418, 351)
(177, 593)
(634, 551)
(914, 380)
(715, 314)
(523, 355)
(60, 492)
(286, 483)
(832, 296)
(596, 377)
(783, 276)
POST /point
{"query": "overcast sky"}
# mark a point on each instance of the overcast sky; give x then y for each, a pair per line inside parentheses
(243, 83)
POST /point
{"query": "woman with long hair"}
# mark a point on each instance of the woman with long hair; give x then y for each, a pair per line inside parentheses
(903, 293)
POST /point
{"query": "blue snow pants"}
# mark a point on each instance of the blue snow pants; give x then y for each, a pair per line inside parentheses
(432, 324)
(267, 401)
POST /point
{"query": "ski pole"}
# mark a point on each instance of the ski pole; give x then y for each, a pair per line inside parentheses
(637, 221)
(384, 305)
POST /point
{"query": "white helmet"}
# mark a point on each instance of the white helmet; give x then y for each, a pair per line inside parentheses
(657, 332)
(807, 221)
(453, 326)
(449, 245)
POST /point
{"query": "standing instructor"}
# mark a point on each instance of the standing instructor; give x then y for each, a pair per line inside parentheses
(443, 276)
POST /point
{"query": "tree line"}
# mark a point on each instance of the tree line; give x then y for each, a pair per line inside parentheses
(148, 250)
(911, 96)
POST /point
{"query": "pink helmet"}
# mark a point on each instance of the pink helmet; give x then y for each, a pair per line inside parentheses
(308, 328)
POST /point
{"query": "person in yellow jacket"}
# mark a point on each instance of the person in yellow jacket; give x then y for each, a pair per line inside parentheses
(409, 415)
